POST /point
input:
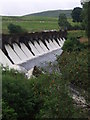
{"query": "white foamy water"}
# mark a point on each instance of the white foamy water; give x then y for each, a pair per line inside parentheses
(20, 52)
(43, 47)
(34, 50)
(26, 51)
(4, 60)
(14, 57)
(39, 48)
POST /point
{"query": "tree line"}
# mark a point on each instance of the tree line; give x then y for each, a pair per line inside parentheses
(79, 15)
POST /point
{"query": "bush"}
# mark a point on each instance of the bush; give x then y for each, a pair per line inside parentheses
(15, 29)
(63, 23)
(8, 112)
(72, 45)
(76, 14)
(18, 95)
(74, 68)
(43, 97)
(75, 34)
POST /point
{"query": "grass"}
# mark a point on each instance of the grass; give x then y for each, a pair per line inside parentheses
(33, 23)
(76, 33)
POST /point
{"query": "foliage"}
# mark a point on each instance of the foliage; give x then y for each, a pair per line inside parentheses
(36, 23)
(15, 29)
(76, 34)
(43, 97)
(8, 112)
(86, 17)
(74, 67)
(62, 22)
(18, 95)
(72, 45)
(76, 14)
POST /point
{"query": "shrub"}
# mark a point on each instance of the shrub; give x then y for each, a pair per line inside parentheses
(18, 95)
(43, 97)
(72, 45)
(8, 112)
(76, 14)
(74, 68)
(75, 34)
(15, 29)
(63, 23)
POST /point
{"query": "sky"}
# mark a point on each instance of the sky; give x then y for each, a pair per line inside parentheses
(23, 7)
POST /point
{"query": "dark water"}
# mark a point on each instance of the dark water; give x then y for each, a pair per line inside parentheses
(42, 61)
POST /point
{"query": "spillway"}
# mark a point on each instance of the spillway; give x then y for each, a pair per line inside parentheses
(4, 60)
(53, 45)
(19, 52)
(23, 52)
(43, 46)
(41, 51)
(35, 51)
(56, 44)
(26, 51)
(49, 46)
(60, 43)
(15, 58)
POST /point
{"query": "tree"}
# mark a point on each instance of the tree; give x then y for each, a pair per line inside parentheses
(8, 113)
(15, 28)
(76, 14)
(63, 23)
(86, 17)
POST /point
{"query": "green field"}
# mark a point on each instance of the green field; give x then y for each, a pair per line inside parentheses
(32, 23)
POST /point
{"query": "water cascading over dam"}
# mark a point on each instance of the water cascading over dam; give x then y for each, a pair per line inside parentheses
(24, 51)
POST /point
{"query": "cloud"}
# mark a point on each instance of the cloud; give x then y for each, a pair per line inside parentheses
(20, 7)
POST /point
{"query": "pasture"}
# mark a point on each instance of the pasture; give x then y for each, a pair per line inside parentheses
(33, 23)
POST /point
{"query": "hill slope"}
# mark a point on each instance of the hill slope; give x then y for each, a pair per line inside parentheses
(53, 13)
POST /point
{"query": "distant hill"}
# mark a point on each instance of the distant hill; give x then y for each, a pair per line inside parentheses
(52, 13)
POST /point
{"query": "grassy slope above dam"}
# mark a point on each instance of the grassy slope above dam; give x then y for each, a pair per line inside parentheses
(33, 23)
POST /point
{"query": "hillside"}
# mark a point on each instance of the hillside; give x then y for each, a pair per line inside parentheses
(47, 20)
(52, 13)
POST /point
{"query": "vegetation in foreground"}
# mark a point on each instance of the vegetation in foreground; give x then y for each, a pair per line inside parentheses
(47, 95)
(43, 97)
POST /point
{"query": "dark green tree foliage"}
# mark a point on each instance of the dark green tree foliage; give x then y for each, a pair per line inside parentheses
(8, 112)
(74, 65)
(86, 17)
(63, 23)
(76, 14)
(43, 97)
(18, 95)
(73, 45)
(15, 29)
(74, 68)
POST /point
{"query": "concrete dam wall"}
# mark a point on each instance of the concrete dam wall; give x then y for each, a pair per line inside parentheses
(24, 51)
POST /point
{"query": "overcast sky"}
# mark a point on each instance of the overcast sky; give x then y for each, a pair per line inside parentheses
(22, 7)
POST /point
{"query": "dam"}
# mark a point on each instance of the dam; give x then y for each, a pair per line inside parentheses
(24, 51)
